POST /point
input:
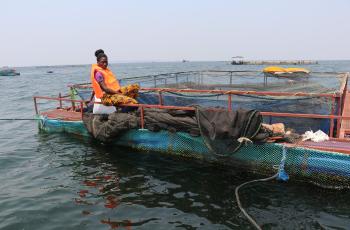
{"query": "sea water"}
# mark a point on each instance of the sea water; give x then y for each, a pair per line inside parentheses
(61, 181)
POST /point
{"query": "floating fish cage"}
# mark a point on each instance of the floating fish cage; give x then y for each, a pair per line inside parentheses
(313, 102)
(318, 93)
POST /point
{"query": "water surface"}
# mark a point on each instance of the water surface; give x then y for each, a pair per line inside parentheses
(61, 181)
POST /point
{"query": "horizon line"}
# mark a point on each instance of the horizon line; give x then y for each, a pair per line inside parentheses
(173, 61)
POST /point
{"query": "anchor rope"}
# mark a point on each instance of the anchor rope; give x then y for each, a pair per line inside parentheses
(19, 119)
(279, 175)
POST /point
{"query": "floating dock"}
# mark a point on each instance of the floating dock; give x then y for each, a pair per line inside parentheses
(274, 62)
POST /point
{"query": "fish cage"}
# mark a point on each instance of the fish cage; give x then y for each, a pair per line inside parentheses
(318, 101)
(301, 103)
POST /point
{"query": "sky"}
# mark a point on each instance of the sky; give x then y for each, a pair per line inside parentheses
(59, 32)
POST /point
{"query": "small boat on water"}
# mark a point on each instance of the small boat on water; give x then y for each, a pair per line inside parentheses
(237, 60)
(6, 71)
(276, 71)
(298, 106)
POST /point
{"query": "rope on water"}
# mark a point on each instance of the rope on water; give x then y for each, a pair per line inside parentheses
(251, 220)
(280, 175)
(19, 119)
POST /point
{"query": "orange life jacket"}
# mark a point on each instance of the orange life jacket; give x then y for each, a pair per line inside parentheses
(109, 79)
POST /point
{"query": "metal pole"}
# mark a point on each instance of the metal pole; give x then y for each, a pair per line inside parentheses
(81, 110)
(331, 128)
(60, 102)
(142, 118)
(160, 98)
(36, 106)
(230, 102)
(340, 101)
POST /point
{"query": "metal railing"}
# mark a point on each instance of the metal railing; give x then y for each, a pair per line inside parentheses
(229, 93)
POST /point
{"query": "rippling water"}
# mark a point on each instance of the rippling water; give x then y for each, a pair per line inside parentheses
(60, 181)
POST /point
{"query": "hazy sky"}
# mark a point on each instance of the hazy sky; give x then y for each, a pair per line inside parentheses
(54, 32)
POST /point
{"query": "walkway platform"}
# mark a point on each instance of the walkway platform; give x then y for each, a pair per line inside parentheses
(335, 145)
(62, 114)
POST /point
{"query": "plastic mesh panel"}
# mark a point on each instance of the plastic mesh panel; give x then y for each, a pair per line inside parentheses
(180, 144)
(319, 167)
(52, 126)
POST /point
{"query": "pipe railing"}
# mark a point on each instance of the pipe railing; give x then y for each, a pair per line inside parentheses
(189, 108)
(203, 73)
(236, 92)
(336, 97)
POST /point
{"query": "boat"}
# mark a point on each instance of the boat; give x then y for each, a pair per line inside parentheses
(6, 71)
(237, 60)
(293, 73)
(324, 163)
